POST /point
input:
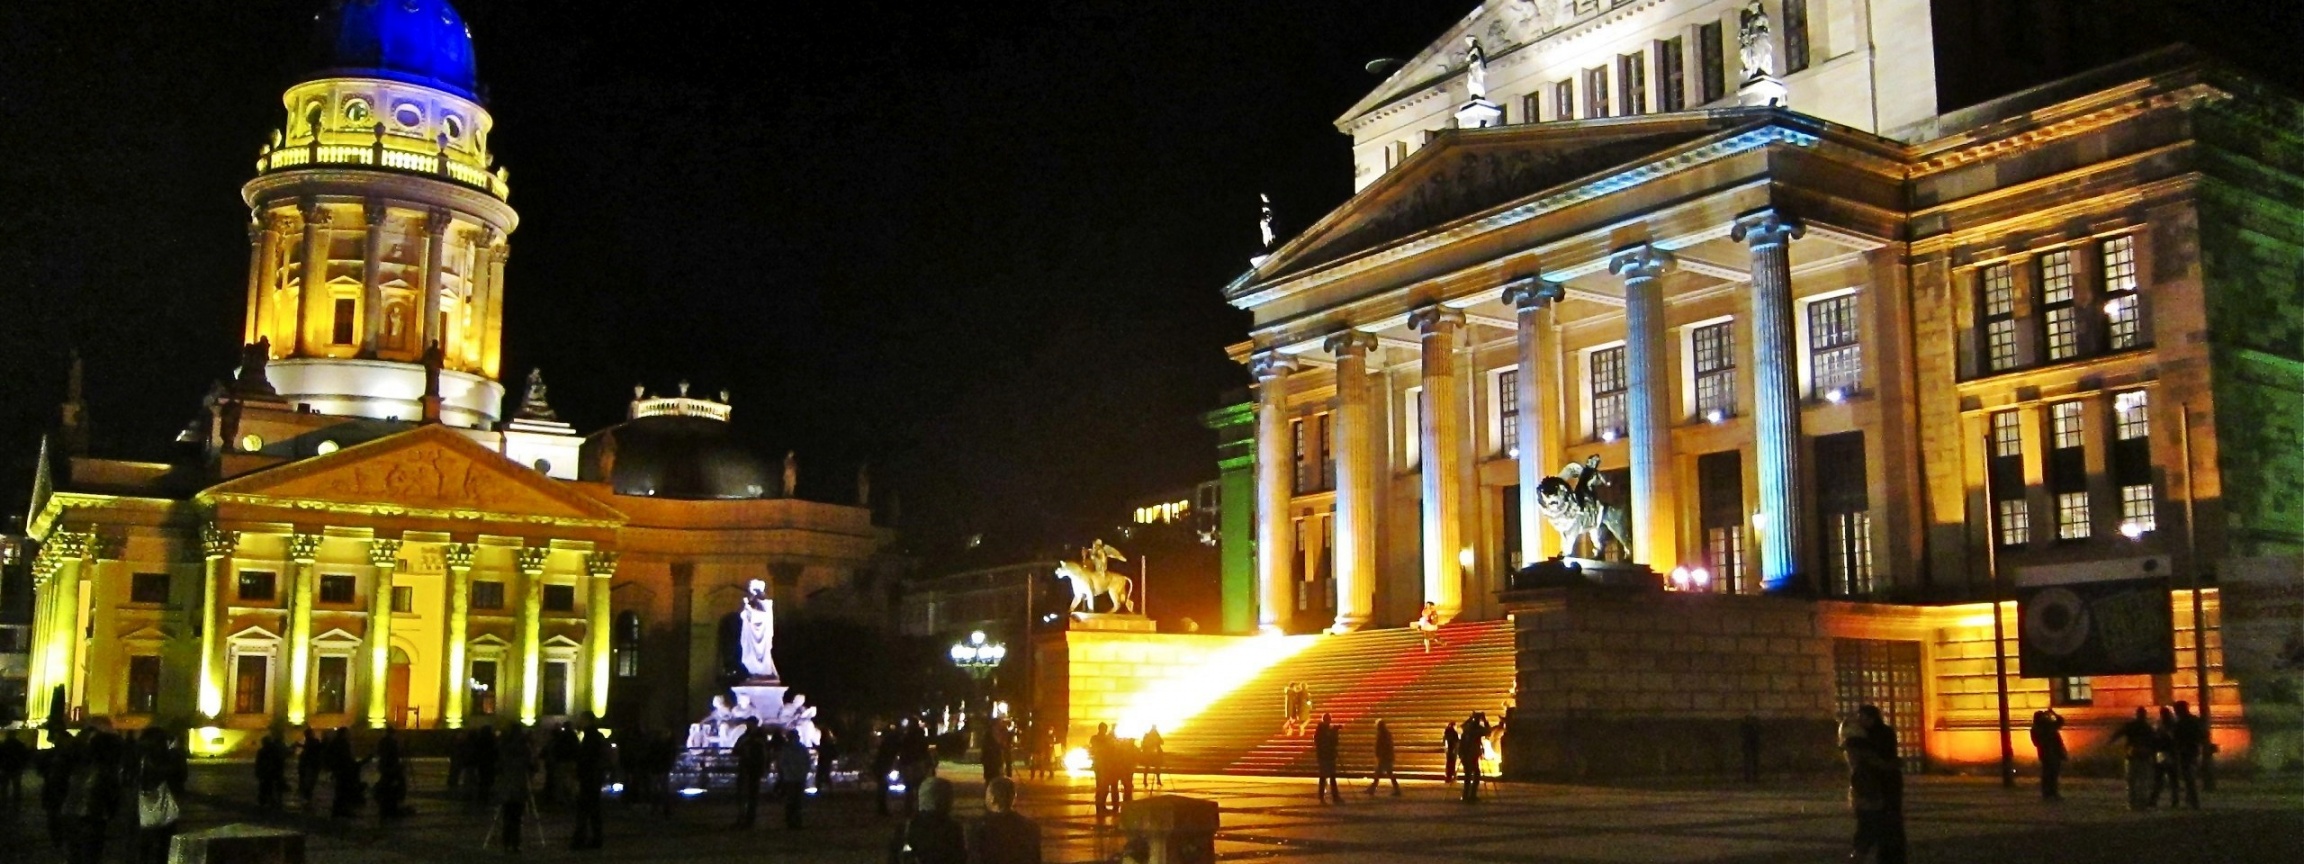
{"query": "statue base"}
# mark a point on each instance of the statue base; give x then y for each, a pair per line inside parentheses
(760, 700)
(1561, 572)
(1113, 621)
(1766, 91)
(1479, 114)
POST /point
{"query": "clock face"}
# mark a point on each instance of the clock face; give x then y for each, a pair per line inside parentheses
(357, 112)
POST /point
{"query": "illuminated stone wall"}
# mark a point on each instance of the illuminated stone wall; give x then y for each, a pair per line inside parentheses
(1090, 677)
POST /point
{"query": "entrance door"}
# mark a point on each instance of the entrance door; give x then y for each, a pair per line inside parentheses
(396, 690)
(1885, 673)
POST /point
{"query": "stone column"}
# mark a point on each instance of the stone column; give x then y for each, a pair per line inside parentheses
(43, 618)
(312, 294)
(531, 560)
(216, 547)
(1648, 389)
(303, 551)
(1776, 435)
(384, 555)
(371, 278)
(1275, 479)
(1443, 443)
(436, 223)
(78, 617)
(454, 676)
(473, 345)
(1532, 297)
(492, 326)
(599, 633)
(259, 246)
(1356, 469)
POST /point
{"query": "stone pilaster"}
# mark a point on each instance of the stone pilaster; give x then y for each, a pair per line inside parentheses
(599, 635)
(216, 548)
(454, 673)
(371, 281)
(1275, 484)
(303, 552)
(492, 324)
(1654, 528)
(1776, 435)
(1443, 468)
(384, 555)
(531, 560)
(1539, 433)
(312, 293)
(1356, 470)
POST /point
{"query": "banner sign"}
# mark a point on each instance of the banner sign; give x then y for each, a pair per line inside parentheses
(2095, 618)
(2263, 620)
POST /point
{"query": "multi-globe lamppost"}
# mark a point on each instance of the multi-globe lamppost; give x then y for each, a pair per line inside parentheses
(979, 658)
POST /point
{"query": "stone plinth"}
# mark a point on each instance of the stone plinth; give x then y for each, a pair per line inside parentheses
(1175, 829)
(237, 844)
(1113, 622)
(1560, 572)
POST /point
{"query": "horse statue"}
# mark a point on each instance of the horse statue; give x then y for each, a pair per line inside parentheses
(1090, 578)
(1572, 504)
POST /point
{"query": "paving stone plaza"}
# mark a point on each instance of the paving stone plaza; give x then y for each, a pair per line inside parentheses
(1271, 819)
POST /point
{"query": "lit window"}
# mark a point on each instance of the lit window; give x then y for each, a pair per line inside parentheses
(1327, 453)
(1508, 411)
(1607, 384)
(2137, 513)
(628, 635)
(1999, 308)
(2056, 297)
(1596, 91)
(1724, 554)
(257, 585)
(2007, 435)
(1632, 79)
(2131, 412)
(144, 684)
(1528, 108)
(335, 676)
(2123, 316)
(2065, 424)
(1564, 99)
(2071, 691)
(1715, 371)
(1848, 553)
(1296, 454)
(2072, 516)
(487, 594)
(2015, 521)
(482, 688)
(1835, 359)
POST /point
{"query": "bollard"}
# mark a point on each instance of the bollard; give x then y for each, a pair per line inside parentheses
(237, 844)
(1177, 830)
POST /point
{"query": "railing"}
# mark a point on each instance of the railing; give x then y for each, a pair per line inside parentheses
(380, 155)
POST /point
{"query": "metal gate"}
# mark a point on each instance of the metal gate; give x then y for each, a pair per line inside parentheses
(1885, 673)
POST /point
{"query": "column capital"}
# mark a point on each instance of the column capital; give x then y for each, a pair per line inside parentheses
(1533, 292)
(1435, 318)
(1767, 227)
(316, 214)
(384, 552)
(303, 548)
(215, 542)
(531, 559)
(601, 564)
(457, 556)
(373, 211)
(1644, 261)
(437, 220)
(1269, 364)
(1344, 342)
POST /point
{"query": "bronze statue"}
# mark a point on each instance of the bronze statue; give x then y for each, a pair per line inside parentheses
(1571, 502)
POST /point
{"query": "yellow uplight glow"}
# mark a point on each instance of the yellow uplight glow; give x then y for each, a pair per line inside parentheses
(1077, 763)
(1173, 702)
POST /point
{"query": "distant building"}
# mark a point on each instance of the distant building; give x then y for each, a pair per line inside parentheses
(15, 629)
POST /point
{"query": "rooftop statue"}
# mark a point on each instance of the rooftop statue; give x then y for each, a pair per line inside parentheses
(1091, 577)
(1753, 43)
(1476, 68)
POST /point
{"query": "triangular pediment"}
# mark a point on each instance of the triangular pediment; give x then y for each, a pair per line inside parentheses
(428, 470)
(1467, 172)
(1502, 26)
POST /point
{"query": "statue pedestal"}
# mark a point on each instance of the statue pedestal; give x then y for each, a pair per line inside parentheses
(1479, 114)
(1565, 572)
(1763, 92)
(1113, 622)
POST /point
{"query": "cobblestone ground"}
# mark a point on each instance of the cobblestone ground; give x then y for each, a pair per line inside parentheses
(1951, 820)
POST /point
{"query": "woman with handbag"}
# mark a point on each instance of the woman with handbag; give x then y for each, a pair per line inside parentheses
(156, 812)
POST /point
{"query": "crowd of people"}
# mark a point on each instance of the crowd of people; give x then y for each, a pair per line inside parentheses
(93, 781)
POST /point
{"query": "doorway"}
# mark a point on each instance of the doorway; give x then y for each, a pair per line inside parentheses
(396, 690)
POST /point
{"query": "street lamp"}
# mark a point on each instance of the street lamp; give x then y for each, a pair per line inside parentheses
(977, 656)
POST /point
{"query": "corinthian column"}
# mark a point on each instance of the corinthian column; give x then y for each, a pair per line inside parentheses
(454, 677)
(1539, 439)
(599, 635)
(1776, 398)
(384, 555)
(312, 296)
(1650, 435)
(216, 547)
(1275, 542)
(263, 284)
(531, 560)
(303, 550)
(436, 223)
(371, 278)
(1443, 443)
(1355, 482)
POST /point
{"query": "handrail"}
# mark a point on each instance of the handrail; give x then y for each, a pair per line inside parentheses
(379, 155)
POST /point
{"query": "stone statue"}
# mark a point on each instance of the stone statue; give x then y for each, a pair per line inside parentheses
(791, 472)
(1265, 222)
(253, 359)
(434, 358)
(1753, 43)
(757, 634)
(1476, 68)
(1090, 578)
(1571, 502)
(608, 457)
(535, 405)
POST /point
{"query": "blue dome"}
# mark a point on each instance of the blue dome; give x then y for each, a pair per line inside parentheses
(417, 41)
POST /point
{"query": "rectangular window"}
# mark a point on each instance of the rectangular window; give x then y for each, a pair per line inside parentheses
(2060, 317)
(1607, 386)
(2072, 516)
(1508, 412)
(1844, 501)
(2068, 468)
(559, 598)
(1999, 311)
(2015, 521)
(1564, 99)
(337, 588)
(487, 594)
(2004, 470)
(2131, 416)
(555, 694)
(335, 679)
(1795, 35)
(346, 311)
(1671, 75)
(2065, 425)
(144, 684)
(1412, 427)
(2008, 435)
(251, 673)
(1632, 82)
(403, 599)
(482, 688)
(1720, 504)
(1596, 91)
(2138, 515)
(2123, 313)
(1712, 62)
(1835, 357)
(1327, 453)
(148, 588)
(2065, 692)
(1296, 457)
(1715, 371)
(257, 585)
(1528, 109)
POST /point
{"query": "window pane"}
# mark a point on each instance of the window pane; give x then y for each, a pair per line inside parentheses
(334, 677)
(1564, 100)
(2137, 511)
(559, 598)
(1795, 35)
(1671, 75)
(1999, 291)
(1607, 385)
(1715, 371)
(346, 311)
(555, 693)
(256, 585)
(403, 599)
(483, 687)
(2123, 318)
(2130, 411)
(2007, 434)
(487, 594)
(336, 588)
(1632, 75)
(148, 588)
(1712, 60)
(2072, 516)
(2056, 277)
(2065, 424)
(1508, 411)
(2015, 522)
(143, 684)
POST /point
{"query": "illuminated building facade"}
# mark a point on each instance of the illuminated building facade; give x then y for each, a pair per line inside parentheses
(358, 534)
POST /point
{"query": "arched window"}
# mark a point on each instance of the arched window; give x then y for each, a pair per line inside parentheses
(627, 645)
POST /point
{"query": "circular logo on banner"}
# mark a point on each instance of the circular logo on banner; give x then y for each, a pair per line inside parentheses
(2056, 622)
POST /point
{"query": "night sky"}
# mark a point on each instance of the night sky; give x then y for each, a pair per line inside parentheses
(976, 244)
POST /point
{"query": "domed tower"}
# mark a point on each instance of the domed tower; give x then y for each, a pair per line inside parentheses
(379, 221)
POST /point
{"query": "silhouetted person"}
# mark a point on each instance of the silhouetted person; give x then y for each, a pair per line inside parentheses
(1749, 732)
(884, 764)
(793, 768)
(15, 756)
(559, 756)
(2164, 758)
(1154, 755)
(1867, 793)
(310, 757)
(827, 748)
(1449, 741)
(56, 765)
(1103, 757)
(92, 798)
(1003, 836)
(1326, 743)
(514, 764)
(1124, 768)
(2191, 745)
(156, 809)
(2048, 741)
(915, 762)
(349, 793)
(751, 763)
(391, 777)
(1473, 740)
(593, 756)
(1384, 760)
(930, 835)
(2138, 734)
(486, 753)
(1888, 764)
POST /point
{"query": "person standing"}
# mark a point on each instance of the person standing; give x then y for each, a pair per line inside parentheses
(312, 754)
(56, 766)
(1003, 836)
(559, 756)
(827, 749)
(2138, 733)
(271, 772)
(93, 796)
(2048, 741)
(930, 835)
(793, 768)
(391, 777)
(15, 756)
(1326, 740)
(991, 752)
(1103, 757)
(1155, 753)
(751, 763)
(156, 811)
(514, 765)
(2191, 741)
(349, 793)
(884, 764)
(1888, 764)
(2164, 758)
(1124, 771)
(1867, 793)
(915, 763)
(1449, 740)
(1384, 760)
(593, 756)
(1472, 738)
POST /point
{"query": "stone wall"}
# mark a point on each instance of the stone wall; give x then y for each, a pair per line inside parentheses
(1090, 676)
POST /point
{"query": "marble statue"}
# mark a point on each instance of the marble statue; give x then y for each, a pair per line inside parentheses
(757, 634)
(1091, 577)
(800, 720)
(1753, 44)
(1476, 68)
(1571, 502)
(791, 472)
(1265, 222)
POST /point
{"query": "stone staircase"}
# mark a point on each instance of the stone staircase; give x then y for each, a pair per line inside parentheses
(1356, 678)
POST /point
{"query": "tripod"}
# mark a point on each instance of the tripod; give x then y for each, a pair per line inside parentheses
(496, 824)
